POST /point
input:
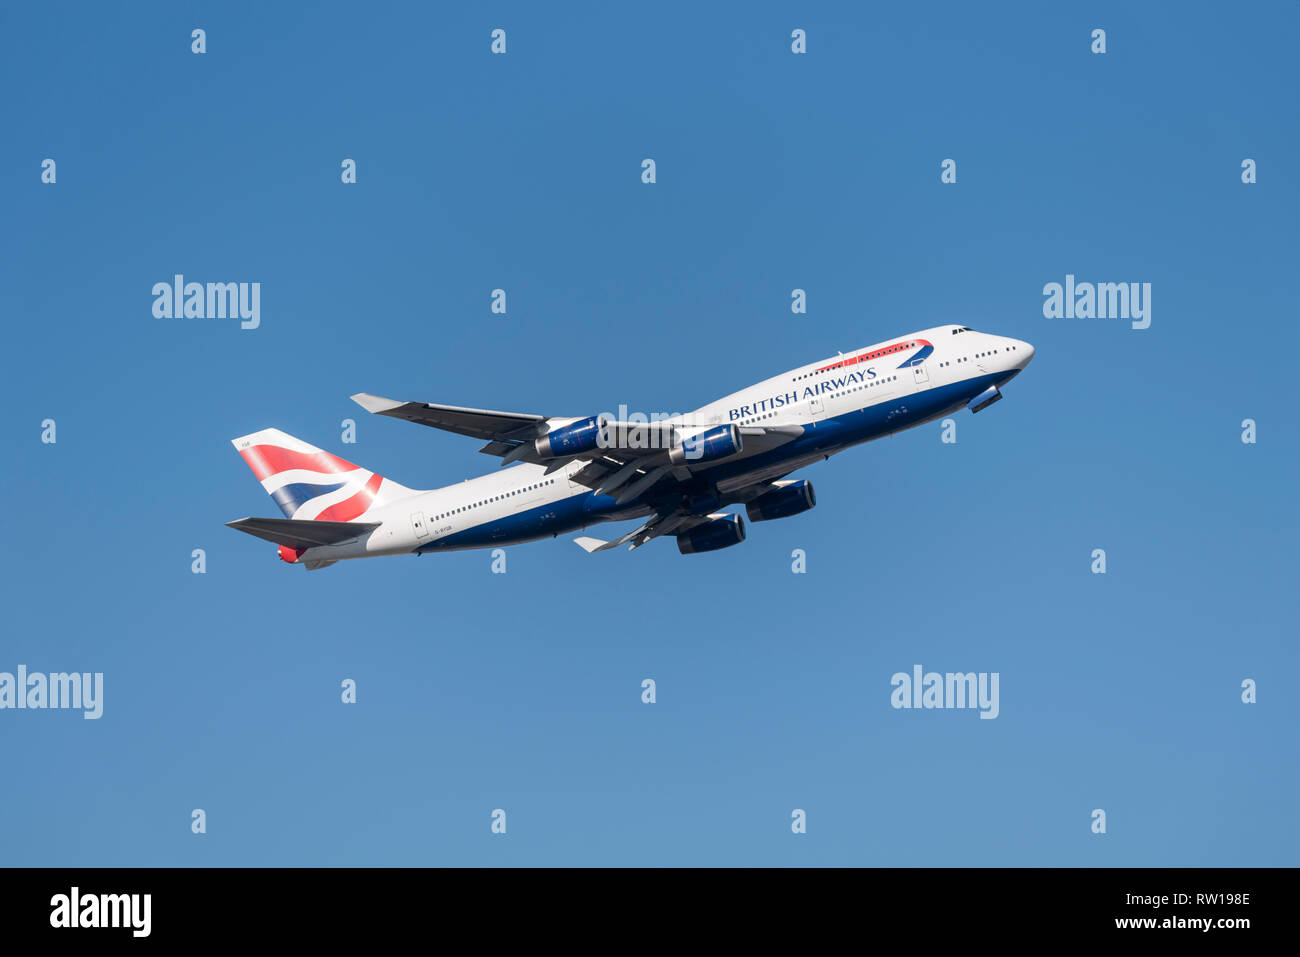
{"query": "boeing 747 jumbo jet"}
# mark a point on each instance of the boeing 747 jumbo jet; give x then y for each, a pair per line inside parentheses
(677, 473)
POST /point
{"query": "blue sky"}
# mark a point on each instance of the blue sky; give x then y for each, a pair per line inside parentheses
(775, 171)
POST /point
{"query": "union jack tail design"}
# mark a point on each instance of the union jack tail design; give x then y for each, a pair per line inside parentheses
(308, 483)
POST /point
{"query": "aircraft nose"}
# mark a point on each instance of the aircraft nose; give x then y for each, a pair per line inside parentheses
(1024, 353)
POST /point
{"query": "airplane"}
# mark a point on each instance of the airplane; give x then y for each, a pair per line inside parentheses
(676, 472)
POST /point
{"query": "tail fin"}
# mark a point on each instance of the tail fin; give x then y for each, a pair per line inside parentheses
(308, 483)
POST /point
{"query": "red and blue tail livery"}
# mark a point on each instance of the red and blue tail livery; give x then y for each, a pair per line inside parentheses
(308, 483)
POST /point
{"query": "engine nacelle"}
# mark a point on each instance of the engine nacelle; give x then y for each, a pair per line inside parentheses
(602, 432)
(985, 399)
(789, 499)
(572, 439)
(707, 446)
(709, 537)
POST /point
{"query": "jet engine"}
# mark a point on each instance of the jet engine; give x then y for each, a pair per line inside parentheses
(600, 431)
(709, 537)
(572, 439)
(707, 446)
(790, 498)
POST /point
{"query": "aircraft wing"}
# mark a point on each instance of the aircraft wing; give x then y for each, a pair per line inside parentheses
(755, 483)
(622, 472)
(504, 427)
(506, 431)
(662, 523)
(679, 521)
(609, 469)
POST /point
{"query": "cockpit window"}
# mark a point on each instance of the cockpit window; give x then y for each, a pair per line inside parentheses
(962, 329)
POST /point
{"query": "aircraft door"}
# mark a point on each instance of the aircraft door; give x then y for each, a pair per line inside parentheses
(417, 522)
(816, 409)
(920, 377)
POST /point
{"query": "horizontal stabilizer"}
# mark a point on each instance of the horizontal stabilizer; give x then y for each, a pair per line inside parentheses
(300, 534)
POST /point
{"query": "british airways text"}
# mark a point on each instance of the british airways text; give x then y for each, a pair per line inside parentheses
(790, 398)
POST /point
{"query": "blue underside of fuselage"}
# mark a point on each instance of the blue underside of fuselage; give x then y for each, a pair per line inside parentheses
(825, 437)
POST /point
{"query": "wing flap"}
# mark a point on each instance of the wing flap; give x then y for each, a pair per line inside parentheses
(733, 485)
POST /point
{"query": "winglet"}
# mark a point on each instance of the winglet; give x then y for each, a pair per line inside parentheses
(590, 545)
(375, 403)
